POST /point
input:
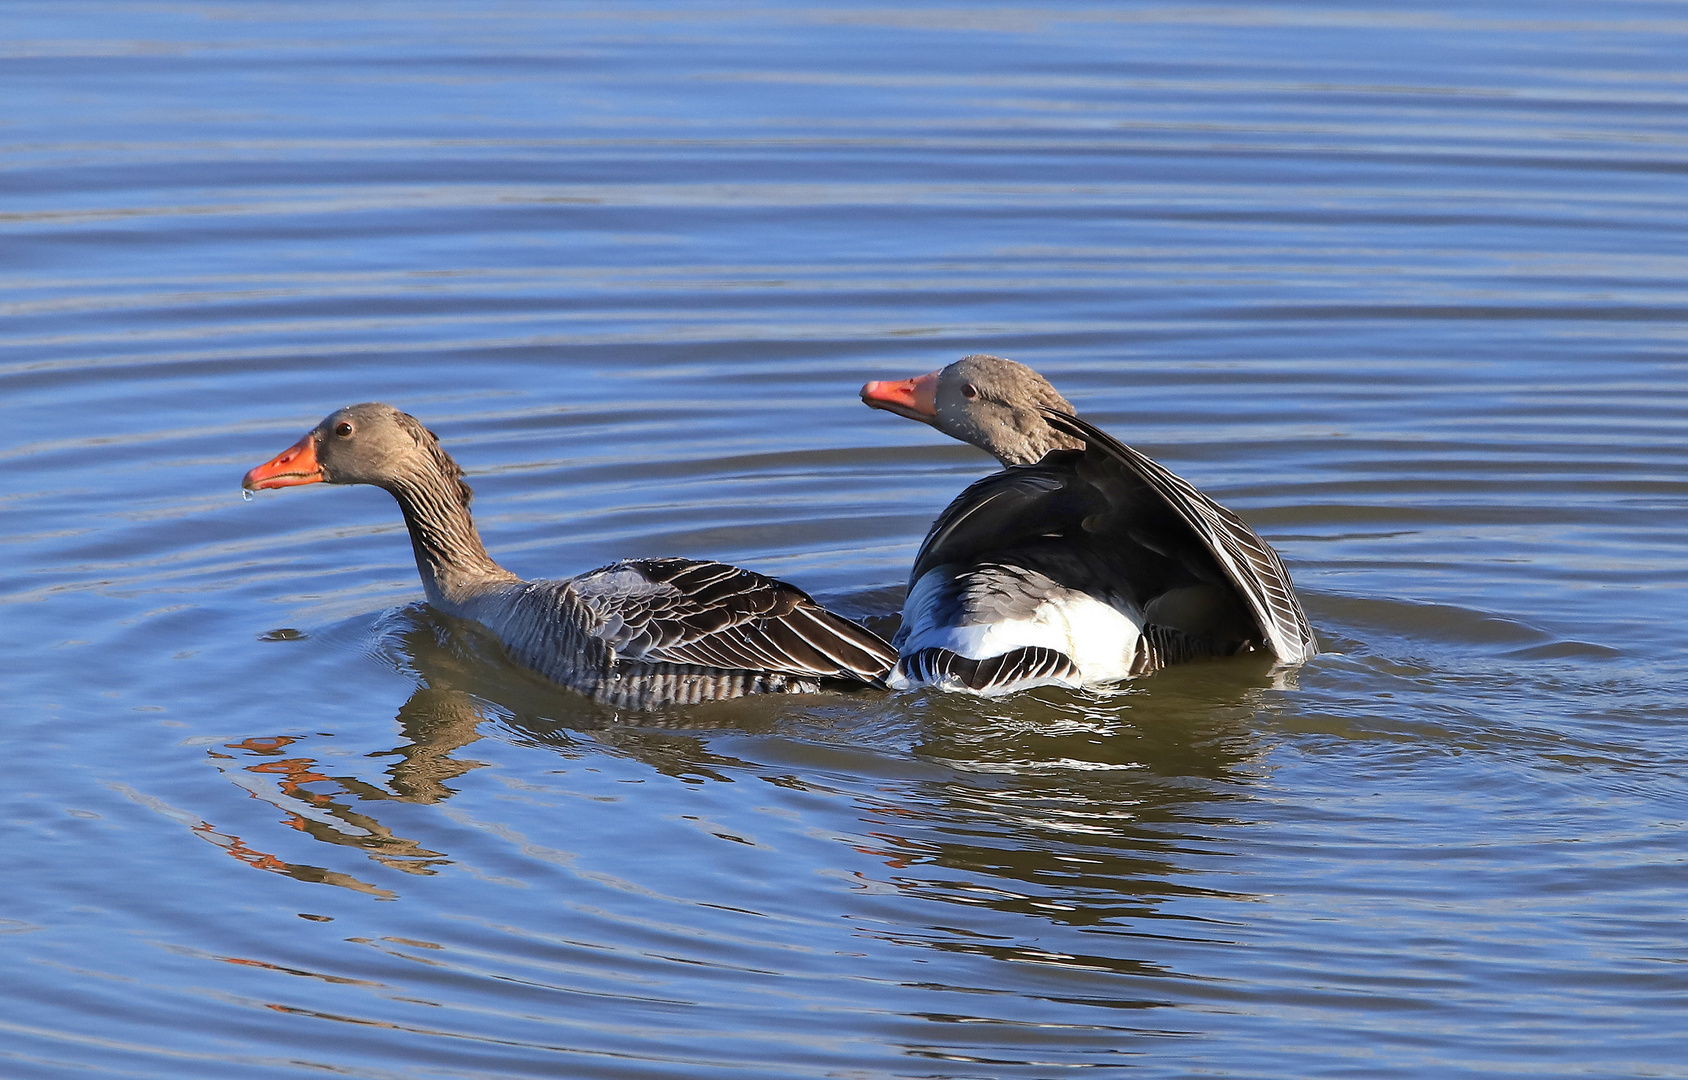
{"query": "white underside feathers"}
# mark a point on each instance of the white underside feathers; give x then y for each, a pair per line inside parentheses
(1097, 637)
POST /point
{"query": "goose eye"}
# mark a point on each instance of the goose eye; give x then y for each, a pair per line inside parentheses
(343, 430)
(969, 391)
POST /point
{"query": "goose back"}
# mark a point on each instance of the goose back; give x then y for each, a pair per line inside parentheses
(647, 633)
(1250, 565)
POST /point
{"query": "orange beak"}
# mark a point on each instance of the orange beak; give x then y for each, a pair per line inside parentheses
(916, 399)
(293, 466)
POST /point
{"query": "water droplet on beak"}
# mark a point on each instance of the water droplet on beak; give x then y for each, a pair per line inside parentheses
(245, 496)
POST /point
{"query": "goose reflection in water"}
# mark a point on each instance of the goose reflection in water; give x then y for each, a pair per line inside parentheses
(434, 722)
(460, 670)
(1080, 809)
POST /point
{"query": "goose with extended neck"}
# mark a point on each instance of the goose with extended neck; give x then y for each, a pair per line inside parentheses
(1083, 562)
(642, 633)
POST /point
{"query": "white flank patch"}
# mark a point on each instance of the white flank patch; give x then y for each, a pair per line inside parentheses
(1100, 638)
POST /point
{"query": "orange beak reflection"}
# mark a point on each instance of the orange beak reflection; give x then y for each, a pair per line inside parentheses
(293, 466)
(916, 399)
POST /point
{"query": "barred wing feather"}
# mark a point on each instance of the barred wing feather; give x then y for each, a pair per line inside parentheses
(691, 611)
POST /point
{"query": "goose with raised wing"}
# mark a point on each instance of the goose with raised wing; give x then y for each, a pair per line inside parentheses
(642, 633)
(1082, 562)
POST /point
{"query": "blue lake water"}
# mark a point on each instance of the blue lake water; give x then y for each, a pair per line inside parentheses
(1404, 286)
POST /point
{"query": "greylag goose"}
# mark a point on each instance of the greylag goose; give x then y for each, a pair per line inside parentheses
(643, 633)
(1082, 562)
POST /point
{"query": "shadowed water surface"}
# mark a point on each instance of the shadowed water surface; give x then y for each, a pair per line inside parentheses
(1404, 286)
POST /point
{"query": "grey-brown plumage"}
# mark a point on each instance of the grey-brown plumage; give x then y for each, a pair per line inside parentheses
(1081, 545)
(643, 633)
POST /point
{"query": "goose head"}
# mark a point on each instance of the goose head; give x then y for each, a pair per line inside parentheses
(993, 403)
(369, 443)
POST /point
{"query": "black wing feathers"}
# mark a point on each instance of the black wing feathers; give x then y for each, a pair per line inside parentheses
(1022, 502)
(1248, 562)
